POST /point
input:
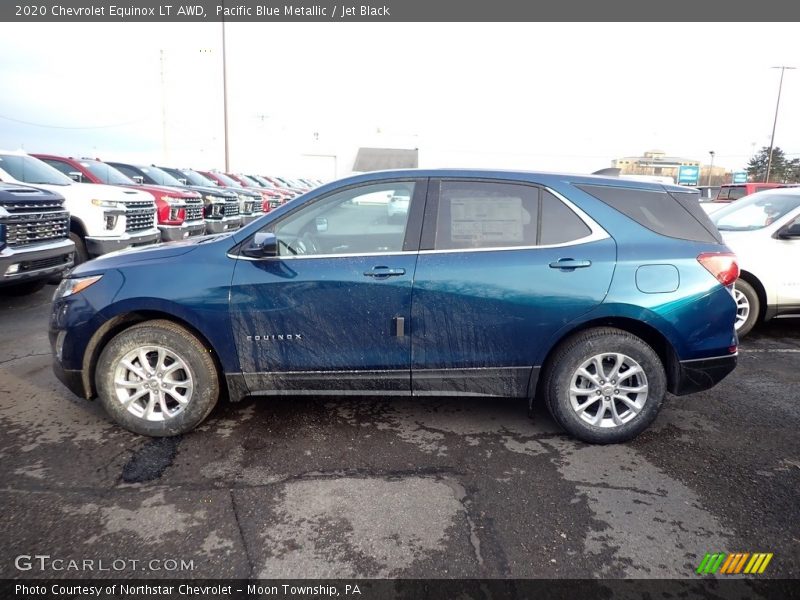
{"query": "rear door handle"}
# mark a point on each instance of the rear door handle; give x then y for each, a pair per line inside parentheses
(384, 272)
(570, 264)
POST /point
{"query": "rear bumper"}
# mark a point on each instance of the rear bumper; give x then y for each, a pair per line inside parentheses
(701, 374)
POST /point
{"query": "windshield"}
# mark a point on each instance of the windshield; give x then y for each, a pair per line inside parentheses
(249, 181)
(264, 183)
(159, 177)
(196, 179)
(227, 180)
(107, 174)
(756, 211)
(28, 169)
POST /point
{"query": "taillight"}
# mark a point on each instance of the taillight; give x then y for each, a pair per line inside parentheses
(722, 265)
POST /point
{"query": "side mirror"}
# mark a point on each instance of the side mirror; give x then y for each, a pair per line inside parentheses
(322, 224)
(138, 179)
(76, 176)
(184, 181)
(790, 232)
(263, 245)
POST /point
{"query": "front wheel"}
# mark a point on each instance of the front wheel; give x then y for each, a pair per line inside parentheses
(747, 307)
(81, 254)
(157, 379)
(605, 386)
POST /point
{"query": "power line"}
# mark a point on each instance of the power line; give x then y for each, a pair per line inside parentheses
(47, 126)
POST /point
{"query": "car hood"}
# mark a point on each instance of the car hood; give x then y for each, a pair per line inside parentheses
(152, 253)
(99, 191)
(163, 190)
(214, 191)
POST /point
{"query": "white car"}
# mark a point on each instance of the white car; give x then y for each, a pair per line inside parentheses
(398, 204)
(763, 230)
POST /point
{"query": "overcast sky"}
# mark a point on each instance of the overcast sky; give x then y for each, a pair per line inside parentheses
(568, 97)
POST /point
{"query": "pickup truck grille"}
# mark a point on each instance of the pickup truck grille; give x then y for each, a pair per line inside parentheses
(138, 219)
(231, 208)
(194, 210)
(28, 228)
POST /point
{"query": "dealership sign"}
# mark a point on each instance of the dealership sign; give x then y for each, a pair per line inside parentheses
(688, 174)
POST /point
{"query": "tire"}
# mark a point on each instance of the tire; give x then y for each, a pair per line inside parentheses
(23, 289)
(185, 360)
(748, 307)
(81, 254)
(580, 413)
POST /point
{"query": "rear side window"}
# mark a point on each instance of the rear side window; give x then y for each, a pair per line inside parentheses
(481, 214)
(476, 214)
(737, 192)
(656, 210)
(559, 224)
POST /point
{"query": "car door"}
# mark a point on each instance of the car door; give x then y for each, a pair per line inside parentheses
(330, 312)
(502, 267)
(787, 247)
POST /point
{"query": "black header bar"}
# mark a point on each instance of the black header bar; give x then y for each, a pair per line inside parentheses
(340, 11)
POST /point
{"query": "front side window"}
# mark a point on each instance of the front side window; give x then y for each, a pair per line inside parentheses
(360, 220)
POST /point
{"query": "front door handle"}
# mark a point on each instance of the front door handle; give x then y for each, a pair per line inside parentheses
(570, 264)
(384, 272)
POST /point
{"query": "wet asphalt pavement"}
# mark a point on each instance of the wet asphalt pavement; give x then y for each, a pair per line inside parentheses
(308, 487)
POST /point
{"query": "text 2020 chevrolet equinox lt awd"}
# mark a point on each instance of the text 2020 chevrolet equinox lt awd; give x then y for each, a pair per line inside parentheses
(595, 295)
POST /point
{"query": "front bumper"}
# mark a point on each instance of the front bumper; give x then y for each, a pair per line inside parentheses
(96, 246)
(39, 262)
(173, 233)
(222, 225)
(692, 376)
(72, 379)
(249, 218)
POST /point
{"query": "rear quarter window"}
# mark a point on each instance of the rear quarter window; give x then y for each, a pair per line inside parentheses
(659, 211)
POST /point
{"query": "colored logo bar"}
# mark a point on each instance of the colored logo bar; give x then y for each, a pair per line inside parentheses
(733, 564)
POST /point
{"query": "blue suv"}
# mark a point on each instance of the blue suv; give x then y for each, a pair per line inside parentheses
(595, 295)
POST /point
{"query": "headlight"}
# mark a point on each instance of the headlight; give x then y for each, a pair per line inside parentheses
(108, 203)
(69, 287)
(176, 202)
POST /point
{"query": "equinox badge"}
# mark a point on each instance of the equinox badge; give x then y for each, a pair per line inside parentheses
(290, 337)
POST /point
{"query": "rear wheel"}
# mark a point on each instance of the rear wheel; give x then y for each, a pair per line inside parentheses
(605, 386)
(747, 307)
(157, 379)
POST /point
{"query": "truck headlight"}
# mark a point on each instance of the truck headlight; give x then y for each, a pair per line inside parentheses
(108, 203)
(70, 287)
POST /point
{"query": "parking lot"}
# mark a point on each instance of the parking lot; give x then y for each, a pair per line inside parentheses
(452, 488)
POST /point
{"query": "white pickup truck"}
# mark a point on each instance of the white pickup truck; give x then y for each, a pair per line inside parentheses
(103, 218)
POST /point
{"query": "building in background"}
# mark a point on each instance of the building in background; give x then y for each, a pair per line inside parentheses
(656, 162)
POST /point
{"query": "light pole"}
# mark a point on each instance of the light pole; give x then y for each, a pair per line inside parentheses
(775, 122)
(225, 97)
(711, 167)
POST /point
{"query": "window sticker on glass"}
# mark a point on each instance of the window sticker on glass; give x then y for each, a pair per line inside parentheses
(481, 221)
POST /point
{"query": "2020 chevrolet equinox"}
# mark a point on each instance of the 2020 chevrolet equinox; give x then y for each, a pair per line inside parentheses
(594, 295)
